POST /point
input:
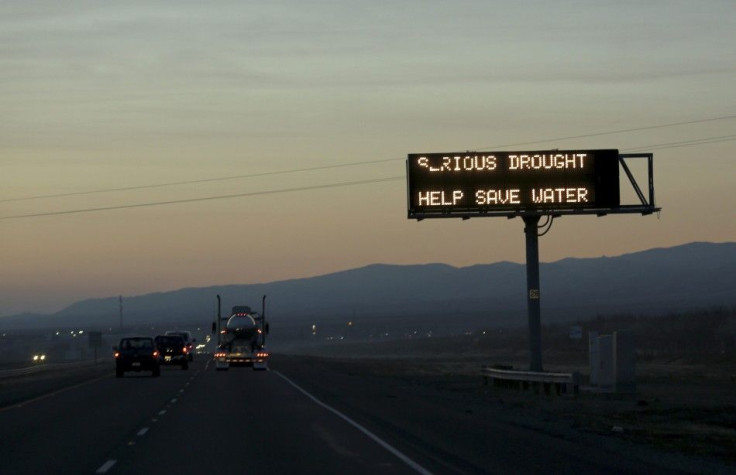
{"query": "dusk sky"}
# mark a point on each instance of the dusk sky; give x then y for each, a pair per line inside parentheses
(296, 118)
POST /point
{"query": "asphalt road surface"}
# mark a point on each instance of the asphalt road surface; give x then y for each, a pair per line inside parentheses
(302, 416)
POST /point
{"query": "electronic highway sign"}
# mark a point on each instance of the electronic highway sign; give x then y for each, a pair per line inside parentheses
(512, 183)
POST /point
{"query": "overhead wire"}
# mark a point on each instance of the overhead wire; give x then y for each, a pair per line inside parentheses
(206, 198)
(203, 180)
(330, 185)
(685, 143)
(612, 132)
(370, 162)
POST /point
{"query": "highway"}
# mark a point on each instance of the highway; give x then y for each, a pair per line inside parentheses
(302, 416)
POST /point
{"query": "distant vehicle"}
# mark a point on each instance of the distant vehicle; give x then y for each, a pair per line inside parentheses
(136, 354)
(172, 350)
(242, 341)
(187, 339)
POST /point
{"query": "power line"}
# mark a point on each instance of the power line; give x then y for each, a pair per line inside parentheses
(687, 143)
(621, 131)
(208, 198)
(191, 182)
(369, 162)
(307, 188)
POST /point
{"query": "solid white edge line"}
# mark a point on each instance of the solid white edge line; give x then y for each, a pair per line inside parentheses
(142, 432)
(106, 466)
(362, 429)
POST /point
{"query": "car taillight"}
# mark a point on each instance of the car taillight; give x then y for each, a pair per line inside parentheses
(117, 355)
(155, 354)
(185, 349)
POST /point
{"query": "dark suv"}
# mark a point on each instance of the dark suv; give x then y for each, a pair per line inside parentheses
(136, 354)
(172, 350)
(188, 340)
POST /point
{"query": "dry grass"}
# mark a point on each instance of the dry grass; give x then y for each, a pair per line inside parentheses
(683, 403)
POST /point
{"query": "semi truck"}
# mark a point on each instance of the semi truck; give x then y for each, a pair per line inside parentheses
(243, 340)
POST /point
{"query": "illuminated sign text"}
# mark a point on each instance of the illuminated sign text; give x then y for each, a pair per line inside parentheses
(539, 182)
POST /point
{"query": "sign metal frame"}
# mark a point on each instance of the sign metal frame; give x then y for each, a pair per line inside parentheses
(644, 206)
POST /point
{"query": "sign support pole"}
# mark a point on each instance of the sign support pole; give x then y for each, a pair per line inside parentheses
(218, 320)
(529, 184)
(532, 284)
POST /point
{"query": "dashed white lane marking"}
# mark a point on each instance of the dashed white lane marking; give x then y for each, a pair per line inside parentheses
(106, 466)
(418, 468)
(109, 464)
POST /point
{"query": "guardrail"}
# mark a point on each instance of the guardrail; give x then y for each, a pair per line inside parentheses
(43, 367)
(561, 383)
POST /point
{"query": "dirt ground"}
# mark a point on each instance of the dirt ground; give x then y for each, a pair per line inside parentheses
(684, 404)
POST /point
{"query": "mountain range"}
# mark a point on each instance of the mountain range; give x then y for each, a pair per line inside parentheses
(663, 280)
